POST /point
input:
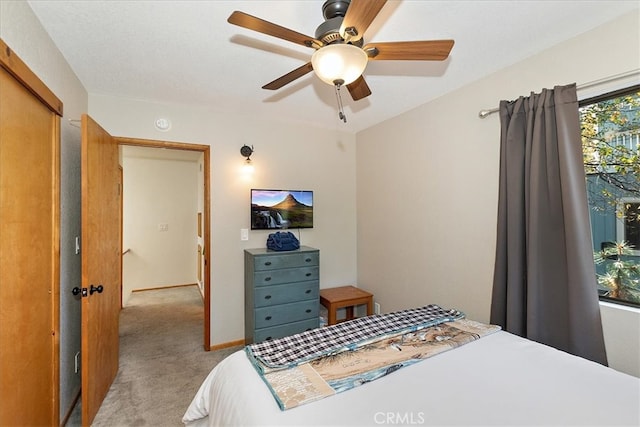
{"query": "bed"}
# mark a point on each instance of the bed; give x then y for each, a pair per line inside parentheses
(498, 379)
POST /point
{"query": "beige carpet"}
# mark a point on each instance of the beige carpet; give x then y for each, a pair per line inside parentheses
(162, 361)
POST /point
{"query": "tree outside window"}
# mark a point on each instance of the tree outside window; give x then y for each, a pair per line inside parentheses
(610, 142)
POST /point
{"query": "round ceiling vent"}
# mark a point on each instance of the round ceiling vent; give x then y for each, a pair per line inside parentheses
(163, 124)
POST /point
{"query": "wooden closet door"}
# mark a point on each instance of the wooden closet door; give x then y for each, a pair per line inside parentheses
(29, 256)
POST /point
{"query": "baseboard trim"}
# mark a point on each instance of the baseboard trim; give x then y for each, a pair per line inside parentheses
(165, 287)
(226, 345)
(74, 402)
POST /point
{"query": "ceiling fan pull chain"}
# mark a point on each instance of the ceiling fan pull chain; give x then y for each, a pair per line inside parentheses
(341, 115)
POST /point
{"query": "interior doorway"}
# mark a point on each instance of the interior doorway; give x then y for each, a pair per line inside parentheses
(204, 218)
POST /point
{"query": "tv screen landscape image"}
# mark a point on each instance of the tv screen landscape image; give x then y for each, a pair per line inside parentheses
(281, 209)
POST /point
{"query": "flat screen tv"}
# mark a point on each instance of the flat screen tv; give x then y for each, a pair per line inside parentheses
(281, 209)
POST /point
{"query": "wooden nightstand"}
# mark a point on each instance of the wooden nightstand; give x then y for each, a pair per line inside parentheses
(345, 297)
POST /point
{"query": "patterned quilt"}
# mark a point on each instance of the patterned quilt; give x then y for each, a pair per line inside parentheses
(316, 364)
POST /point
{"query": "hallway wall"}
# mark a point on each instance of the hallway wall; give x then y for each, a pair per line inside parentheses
(159, 220)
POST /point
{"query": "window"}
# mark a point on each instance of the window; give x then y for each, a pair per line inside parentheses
(610, 143)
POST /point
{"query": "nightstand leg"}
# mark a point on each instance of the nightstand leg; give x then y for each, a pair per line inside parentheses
(349, 310)
(332, 314)
(370, 307)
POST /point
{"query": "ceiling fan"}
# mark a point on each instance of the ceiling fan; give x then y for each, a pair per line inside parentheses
(341, 55)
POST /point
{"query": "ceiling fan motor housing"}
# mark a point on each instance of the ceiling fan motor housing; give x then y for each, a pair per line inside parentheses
(329, 31)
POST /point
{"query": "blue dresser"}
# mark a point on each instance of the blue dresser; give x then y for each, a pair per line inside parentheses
(281, 292)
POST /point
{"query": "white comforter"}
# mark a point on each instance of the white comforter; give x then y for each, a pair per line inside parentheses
(500, 379)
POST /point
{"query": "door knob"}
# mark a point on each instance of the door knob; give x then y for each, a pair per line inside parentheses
(92, 290)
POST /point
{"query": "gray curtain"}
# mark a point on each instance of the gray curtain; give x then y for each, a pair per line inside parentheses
(544, 284)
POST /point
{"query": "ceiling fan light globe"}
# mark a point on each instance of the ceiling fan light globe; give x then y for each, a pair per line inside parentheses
(339, 62)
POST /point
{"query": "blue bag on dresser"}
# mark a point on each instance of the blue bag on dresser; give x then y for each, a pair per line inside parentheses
(282, 241)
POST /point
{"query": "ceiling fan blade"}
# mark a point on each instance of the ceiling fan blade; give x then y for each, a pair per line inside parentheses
(289, 77)
(245, 20)
(427, 50)
(359, 89)
(359, 16)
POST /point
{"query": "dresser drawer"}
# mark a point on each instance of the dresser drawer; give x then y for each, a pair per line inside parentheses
(286, 275)
(284, 330)
(280, 294)
(285, 313)
(277, 261)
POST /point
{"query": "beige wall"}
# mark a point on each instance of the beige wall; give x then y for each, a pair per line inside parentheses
(285, 157)
(22, 32)
(159, 191)
(428, 184)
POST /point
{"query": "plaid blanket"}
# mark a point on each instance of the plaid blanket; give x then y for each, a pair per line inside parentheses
(334, 373)
(293, 350)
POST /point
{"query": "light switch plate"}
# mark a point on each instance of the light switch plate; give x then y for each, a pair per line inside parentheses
(244, 234)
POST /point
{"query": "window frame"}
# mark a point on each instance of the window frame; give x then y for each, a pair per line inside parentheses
(619, 206)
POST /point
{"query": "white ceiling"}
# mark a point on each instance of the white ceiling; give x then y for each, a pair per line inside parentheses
(185, 52)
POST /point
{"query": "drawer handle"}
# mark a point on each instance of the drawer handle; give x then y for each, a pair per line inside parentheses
(308, 310)
(307, 260)
(267, 263)
(267, 279)
(267, 297)
(267, 318)
(308, 274)
(308, 291)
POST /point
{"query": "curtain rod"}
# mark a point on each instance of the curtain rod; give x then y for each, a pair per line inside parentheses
(484, 113)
